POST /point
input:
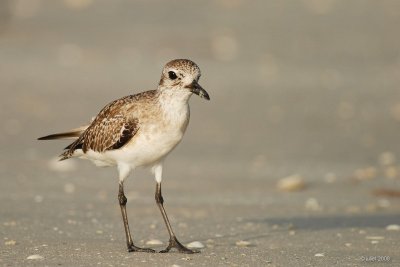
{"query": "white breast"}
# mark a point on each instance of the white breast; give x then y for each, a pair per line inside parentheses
(155, 139)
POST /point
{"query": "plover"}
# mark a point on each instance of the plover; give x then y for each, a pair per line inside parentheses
(140, 131)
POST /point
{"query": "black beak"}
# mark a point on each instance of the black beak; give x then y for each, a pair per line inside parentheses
(198, 90)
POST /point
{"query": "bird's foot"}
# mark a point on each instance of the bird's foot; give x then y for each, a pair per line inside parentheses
(174, 243)
(133, 248)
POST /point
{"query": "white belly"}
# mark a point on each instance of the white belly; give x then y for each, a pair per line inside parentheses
(148, 147)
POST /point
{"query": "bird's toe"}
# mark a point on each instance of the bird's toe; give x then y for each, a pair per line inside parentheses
(134, 248)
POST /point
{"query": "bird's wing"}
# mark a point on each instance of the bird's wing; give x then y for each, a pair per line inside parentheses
(112, 128)
(109, 133)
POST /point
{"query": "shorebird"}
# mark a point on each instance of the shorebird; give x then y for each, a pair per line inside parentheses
(140, 131)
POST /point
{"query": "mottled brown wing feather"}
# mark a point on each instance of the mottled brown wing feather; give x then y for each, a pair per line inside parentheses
(110, 133)
(129, 130)
(110, 129)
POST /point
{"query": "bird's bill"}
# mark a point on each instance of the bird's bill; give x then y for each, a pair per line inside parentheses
(198, 90)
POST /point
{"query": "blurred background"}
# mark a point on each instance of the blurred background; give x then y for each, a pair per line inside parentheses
(304, 97)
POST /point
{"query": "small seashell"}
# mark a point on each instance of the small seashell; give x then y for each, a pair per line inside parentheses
(154, 242)
(242, 243)
(367, 173)
(375, 237)
(10, 242)
(35, 257)
(330, 177)
(387, 158)
(313, 204)
(291, 183)
(393, 227)
(195, 244)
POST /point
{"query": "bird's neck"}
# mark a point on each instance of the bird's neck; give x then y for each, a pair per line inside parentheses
(175, 105)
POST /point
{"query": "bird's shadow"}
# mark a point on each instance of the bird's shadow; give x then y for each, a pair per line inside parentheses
(333, 222)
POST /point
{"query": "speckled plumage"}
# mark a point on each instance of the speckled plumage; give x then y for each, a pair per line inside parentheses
(114, 126)
(140, 131)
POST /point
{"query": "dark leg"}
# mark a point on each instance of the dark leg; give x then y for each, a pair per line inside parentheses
(122, 203)
(173, 241)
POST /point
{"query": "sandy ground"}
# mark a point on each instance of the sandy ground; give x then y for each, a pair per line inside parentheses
(298, 88)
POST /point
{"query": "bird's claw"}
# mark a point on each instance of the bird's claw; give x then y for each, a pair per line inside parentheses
(174, 243)
(133, 248)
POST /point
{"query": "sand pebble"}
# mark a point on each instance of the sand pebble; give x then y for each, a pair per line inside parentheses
(393, 227)
(35, 257)
(387, 158)
(330, 177)
(313, 204)
(291, 183)
(375, 237)
(374, 241)
(154, 242)
(367, 173)
(242, 243)
(353, 209)
(391, 172)
(348, 244)
(319, 255)
(69, 221)
(38, 198)
(372, 207)
(384, 203)
(10, 242)
(10, 223)
(195, 244)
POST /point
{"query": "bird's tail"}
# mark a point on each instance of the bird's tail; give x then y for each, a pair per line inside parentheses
(72, 134)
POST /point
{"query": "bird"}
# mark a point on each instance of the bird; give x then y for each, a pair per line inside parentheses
(140, 130)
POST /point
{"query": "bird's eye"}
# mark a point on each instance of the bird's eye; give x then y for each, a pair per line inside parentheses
(172, 75)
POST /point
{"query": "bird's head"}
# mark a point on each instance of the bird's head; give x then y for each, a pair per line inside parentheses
(182, 75)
